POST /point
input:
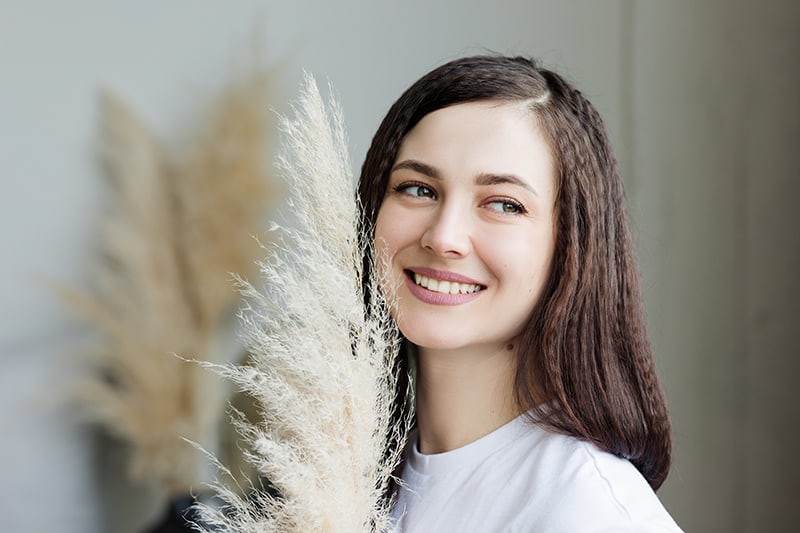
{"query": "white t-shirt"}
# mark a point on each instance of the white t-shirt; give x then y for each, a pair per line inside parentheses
(523, 478)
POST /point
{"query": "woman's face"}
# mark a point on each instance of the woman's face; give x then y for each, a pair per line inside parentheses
(467, 225)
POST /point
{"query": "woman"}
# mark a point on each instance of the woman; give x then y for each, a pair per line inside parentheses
(495, 198)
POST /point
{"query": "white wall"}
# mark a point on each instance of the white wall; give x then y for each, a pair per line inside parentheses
(697, 96)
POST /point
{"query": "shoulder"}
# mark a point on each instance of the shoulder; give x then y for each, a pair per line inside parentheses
(579, 484)
(524, 478)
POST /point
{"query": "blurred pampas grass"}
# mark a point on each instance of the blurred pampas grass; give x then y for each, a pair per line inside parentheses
(177, 223)
(322, 370)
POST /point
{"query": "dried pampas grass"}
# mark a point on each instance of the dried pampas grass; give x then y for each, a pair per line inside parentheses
(322, 371)
(175, 226)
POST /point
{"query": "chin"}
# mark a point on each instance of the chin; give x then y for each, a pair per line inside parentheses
(432, 340)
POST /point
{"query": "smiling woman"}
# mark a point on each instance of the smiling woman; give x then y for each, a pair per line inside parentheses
(461, 210)
(492, 193)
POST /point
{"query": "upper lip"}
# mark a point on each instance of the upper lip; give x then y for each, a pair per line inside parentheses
(443, 275)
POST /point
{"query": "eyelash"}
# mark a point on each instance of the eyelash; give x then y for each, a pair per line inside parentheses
(517, 208)
(405, 186)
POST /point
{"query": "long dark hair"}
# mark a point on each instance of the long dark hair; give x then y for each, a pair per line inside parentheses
(584, 365)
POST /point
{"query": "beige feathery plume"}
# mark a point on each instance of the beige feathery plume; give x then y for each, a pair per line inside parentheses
(322, 370)
(222, 194)
(174, 228)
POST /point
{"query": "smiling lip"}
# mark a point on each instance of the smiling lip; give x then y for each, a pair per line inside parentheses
(438, 298)
(443, 275)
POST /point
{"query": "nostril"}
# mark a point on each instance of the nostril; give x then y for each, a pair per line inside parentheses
(446, 238)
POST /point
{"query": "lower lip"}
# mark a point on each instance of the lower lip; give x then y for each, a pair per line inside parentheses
(438, 298)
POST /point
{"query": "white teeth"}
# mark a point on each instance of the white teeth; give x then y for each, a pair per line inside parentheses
(445, 287)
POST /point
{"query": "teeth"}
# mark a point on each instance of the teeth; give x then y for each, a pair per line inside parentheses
(445, 287)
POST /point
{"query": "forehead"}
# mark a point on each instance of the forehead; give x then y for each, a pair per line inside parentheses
(483, 136)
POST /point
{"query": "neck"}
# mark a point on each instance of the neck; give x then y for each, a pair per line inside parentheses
(463, 395)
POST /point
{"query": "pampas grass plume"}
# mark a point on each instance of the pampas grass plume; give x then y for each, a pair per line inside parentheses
(322, 370)
(176, 225)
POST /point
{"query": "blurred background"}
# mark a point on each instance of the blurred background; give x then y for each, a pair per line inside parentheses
(702, 102)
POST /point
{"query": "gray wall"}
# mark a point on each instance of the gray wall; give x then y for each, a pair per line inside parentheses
(700, 98)
(715, 181)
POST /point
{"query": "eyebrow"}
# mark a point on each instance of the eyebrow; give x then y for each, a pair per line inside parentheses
(482, 179)
(417, 166)
(496, 179)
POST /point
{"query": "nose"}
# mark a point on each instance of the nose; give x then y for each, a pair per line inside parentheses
(448, 233)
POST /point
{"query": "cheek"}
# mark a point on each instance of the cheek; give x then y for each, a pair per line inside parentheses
(382, 224)
(392, 229)
(522, 261)
(540, 265)
(386, 247)
(387, 242)
(383, 239)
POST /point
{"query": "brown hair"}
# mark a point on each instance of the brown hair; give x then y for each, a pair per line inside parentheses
(585, 367)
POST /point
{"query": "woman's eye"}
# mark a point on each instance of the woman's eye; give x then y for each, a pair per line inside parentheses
(416, 189)
(507, 206)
